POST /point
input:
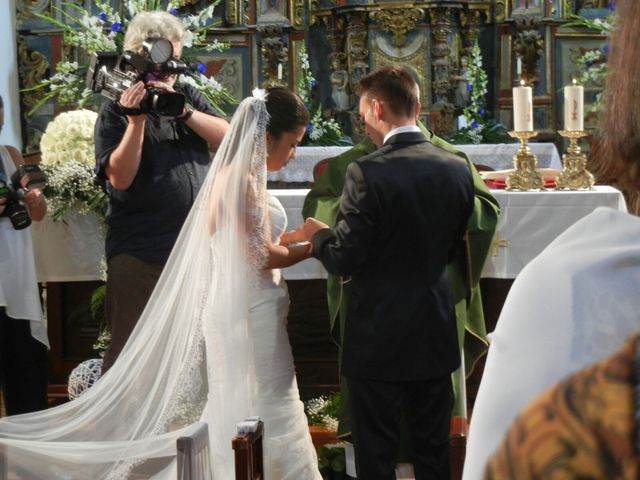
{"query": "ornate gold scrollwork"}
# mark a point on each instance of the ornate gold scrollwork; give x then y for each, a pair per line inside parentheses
(296, 9)
(500, 10)
(27, 8)
(313, 8)
(33, 66)
(398, 22)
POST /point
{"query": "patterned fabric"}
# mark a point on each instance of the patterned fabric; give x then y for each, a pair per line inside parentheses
(583, 427)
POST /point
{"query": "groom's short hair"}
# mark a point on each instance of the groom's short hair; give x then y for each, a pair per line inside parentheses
(393, 85)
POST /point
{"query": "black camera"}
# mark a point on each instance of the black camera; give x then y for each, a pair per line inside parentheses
(24, 178)
(111, 74)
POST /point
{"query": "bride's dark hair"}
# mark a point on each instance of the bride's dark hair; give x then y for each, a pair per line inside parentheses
(286, 111)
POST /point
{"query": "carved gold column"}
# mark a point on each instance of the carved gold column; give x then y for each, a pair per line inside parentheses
(442, 110)
(335, 28)
(358, 58)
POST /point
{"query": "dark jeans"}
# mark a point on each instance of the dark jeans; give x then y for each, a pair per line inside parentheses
(130, 282)
(376, 410)
(23, 367)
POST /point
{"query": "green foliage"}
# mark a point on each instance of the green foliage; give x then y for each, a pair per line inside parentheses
(331, 462)
(96, 307)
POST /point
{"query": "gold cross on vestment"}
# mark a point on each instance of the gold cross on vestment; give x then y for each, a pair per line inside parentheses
(498, 243)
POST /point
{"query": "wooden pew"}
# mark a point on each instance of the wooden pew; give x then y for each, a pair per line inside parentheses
(247, 445)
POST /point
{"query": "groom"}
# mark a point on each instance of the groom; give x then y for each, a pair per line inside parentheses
(402, 218)
(323, 203)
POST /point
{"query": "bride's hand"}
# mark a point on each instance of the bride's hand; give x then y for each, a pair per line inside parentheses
(293, 236)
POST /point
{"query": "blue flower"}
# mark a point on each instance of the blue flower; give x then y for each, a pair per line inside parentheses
(474, 124)
(103, 16)
(309, 128)
(611, 6)
(605, 49)
(470, 87)
(201, 67)
(588, 63)
(173, 11)
(313, 83)
(116, 27)
(482, 112)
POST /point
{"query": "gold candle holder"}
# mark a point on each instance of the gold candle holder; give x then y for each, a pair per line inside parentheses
(574, 175)
(524, 175)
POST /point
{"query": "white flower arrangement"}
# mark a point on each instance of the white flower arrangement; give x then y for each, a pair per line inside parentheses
(67, 160)
(323, 411)
(592, 63)
(480, 128)
(105, 32)
(320, 131)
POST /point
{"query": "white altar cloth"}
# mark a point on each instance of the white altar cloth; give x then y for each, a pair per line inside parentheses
(528, 222)
(497, 156)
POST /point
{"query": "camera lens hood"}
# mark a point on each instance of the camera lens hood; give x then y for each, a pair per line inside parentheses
(159, 49)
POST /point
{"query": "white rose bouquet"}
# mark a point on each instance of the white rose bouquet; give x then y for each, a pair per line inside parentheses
(67, 160)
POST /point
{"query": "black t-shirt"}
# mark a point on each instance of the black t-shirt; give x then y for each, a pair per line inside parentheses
(145, 219)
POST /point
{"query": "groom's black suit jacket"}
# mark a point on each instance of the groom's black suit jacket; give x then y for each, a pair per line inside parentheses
(403, 215)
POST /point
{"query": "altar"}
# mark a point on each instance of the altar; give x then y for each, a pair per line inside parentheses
(528, 222)
(496, 156)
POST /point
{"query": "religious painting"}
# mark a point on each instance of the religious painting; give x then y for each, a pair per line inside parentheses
(231, 68)
(520, 7)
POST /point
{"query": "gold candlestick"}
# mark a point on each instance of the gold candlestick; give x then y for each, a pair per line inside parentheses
(524, 175)
(574, 175)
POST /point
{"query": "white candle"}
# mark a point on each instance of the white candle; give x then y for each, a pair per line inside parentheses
(574, 107)
(519, 67)
(279, 71)
(522, 109)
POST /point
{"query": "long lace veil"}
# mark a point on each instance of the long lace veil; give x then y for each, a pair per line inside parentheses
(190, 355)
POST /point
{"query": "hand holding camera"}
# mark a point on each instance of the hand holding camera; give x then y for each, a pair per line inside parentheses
(24, 187)
(117, 78)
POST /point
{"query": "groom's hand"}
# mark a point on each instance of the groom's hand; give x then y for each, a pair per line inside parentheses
(311, 226)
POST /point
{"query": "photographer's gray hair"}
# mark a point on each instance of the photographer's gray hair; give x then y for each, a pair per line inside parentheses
(152, 25)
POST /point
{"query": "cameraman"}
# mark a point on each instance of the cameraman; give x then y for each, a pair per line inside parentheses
(23, 334)
(153, 168)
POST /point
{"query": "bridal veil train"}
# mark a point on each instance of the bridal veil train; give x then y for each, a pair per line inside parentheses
(197, 353)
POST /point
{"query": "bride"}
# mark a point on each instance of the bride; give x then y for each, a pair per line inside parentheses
(211, 344)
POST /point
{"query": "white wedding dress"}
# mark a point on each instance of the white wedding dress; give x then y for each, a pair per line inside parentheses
(210, 346)
(289, 452)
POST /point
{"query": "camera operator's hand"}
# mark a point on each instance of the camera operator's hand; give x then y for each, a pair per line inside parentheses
(34, 199)
(160, 85)
(133, 95)
(3, 203)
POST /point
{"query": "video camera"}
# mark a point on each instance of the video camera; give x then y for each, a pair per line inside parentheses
(111, 74)
(23, 179)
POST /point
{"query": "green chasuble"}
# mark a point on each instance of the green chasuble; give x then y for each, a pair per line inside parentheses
(323, 203)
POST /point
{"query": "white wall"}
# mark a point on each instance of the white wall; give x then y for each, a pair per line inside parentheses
(10, 134)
